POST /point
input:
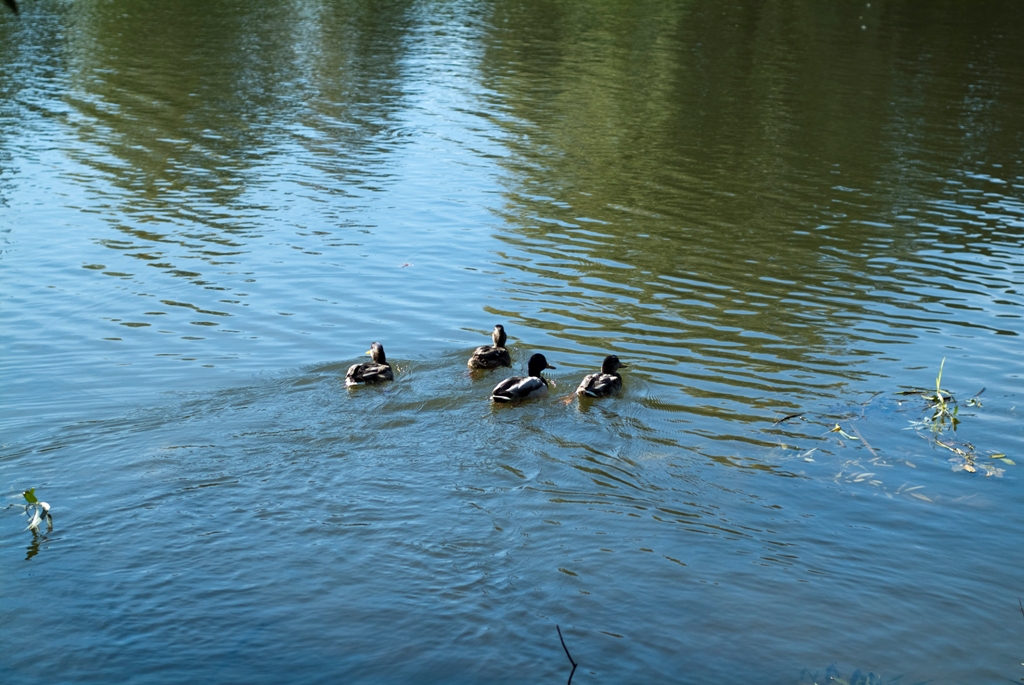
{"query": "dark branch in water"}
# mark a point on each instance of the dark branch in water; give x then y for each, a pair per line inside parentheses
(1018, 604)
(787, 418)
(868, 400)
(12, 4)
(574, 664)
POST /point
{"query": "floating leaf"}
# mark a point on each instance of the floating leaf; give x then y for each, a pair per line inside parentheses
(838, 429)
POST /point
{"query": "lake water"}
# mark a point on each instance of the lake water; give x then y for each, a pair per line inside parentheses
(209, 210)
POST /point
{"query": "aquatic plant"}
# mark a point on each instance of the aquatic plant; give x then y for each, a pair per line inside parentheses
(834, 677)
(966, 458)
(839, 429)
(36, 511)
(943, 404)
(945, 410)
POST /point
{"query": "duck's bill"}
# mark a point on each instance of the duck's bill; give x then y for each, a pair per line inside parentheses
(550, 367)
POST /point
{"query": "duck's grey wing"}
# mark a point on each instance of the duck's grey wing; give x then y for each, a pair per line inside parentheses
(354, 375)
(584, 385)
(533, 387)
(519, 388)
(503, 391)
(360, 374)
(600, 385)
(490, 357)
(378, 372)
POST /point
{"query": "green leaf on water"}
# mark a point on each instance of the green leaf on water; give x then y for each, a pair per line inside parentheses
(838, 429)
(30, 496)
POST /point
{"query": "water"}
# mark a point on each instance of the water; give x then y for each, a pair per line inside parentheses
(209, 212)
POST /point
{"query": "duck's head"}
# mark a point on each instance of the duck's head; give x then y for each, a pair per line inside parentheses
(498, 336)
(611, 364)
(537, 364)
(376, 353)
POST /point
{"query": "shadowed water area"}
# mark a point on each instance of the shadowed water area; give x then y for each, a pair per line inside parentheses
(768, 210)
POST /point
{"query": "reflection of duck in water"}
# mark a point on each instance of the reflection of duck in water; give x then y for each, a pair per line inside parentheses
(371, 372)
(522, 388)
(492, 356)
(12, 4)
(608, 382)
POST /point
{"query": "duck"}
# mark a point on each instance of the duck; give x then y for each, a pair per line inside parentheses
(492, 356)
(522, 388)
(608, 382)
(371, 372)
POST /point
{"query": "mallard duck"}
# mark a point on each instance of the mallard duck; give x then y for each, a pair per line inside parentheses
(522, 388)
(608, 382)
(371, 372)
(492, 356)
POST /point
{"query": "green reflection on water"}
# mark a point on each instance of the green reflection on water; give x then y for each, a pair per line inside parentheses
(754, 186)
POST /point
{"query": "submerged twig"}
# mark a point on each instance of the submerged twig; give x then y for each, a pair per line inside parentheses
(1021, 606)
(574, 664)
(871, 449)
(870, 399)
(787, 418)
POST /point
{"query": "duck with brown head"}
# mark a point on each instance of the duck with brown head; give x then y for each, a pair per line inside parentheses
(492, 356)
(608, 382)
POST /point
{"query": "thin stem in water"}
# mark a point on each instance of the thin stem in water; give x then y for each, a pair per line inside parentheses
(574, 664)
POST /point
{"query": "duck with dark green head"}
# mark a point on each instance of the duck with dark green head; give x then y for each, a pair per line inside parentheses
(370, 372)
(492, 356)
(524, 387)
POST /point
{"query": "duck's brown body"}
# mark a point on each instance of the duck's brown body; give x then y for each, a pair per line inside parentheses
(376, 371)
(492, 356)
(608, 382)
